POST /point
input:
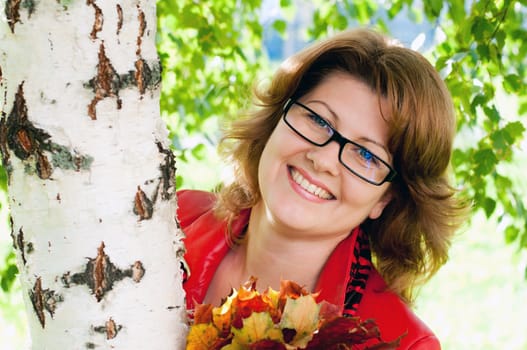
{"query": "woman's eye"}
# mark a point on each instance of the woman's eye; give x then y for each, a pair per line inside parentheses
(364, 153)
(318, 120)
(367, 156)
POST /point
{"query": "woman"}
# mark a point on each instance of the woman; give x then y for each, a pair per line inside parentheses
(345, 160)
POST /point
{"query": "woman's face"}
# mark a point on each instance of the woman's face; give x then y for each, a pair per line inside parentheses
(304, 188)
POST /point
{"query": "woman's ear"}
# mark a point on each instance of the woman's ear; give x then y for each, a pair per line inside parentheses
(377, 209)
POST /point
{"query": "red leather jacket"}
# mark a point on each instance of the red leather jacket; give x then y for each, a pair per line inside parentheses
(206, 246)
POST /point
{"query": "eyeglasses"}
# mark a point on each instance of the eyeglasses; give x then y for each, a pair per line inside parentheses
(356, 158)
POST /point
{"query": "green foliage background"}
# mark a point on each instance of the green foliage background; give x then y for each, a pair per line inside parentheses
(212, 55)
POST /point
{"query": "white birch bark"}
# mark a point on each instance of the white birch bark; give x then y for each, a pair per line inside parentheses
(91, 184)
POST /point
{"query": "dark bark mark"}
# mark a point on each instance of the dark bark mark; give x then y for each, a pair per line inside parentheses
(105, 84)
(20, 244)
(44, 168)
(37, 300)
(100, 274)
(168, 172)
(99, 19)
(119, 18)
(138, 271)
(141, 73)
(142, 27)
(29, 5)
(12, 12)
(90, 346)
(4, 154)
(43, 299)
(108, 83)
(29, 143)
(13, 237)
(110, 328)
(143, 206)
(20, 135)
(147, 77)
(3, 142)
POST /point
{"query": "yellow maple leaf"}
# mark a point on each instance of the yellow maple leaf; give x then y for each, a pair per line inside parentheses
(258, 326)
(202, 336)
(272, 297)
(302, 315)
(222, 315)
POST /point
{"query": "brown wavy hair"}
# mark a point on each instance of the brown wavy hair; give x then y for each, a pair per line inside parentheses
(410, 240)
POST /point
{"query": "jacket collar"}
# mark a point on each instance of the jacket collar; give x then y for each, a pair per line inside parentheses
(208, 246)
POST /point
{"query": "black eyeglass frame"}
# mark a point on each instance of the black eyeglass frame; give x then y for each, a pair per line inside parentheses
(341, 140)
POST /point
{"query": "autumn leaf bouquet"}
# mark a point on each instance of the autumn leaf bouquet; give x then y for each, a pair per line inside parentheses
(287, 319)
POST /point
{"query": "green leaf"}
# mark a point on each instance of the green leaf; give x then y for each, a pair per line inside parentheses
(523, 241)
(500, 36)
(485, 160)
(3, 179)
(280, 26)
(492, 113)
(515, 130)
(478, 100)
(179, 181)
(395, 8)
(502, 182)
(459, 157)
(457, 11)
(433, 8)
(200, 151)
(500, 141)
(9, 272)
(523, 108)
(512, 83)
(482, 28)
(511, 233)
(489, 205)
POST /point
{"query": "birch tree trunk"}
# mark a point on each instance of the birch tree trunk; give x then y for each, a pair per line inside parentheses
(91, 177)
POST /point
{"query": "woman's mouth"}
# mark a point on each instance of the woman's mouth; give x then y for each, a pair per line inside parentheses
(309, 187)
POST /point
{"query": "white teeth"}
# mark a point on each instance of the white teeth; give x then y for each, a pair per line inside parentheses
(309, 187)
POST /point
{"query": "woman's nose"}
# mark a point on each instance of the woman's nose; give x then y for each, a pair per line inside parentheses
(325, 158)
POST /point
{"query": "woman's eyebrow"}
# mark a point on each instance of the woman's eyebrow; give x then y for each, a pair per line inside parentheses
(327, 107)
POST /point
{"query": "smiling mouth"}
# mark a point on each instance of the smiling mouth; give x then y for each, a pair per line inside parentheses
(309, 187)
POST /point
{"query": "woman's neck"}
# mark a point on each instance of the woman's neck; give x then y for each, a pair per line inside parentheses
(271, 255)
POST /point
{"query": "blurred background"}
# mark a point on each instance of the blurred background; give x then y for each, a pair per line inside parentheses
(214, 52)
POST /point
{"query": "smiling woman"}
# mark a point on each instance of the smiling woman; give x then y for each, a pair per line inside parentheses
(308, 209)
